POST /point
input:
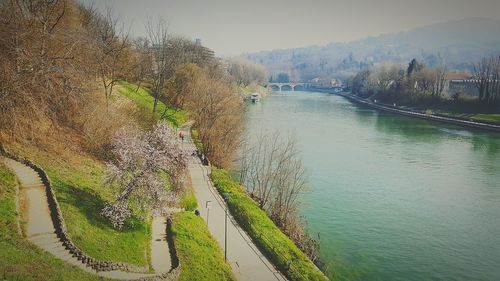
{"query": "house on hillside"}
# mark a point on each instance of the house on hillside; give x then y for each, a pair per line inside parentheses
(334, 82)
(460, 83)
(315, 81)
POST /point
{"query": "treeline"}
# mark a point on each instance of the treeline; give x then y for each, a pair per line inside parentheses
(417, 84)
(393, 83)
(487, 79)
(54, 52)
(246, 72)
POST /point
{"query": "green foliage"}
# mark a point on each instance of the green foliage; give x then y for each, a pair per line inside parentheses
(199, 254)
(189, 202)
(173, 116)
(79, 192)
(487, 117)
(275, 245)
(19, 259)
(195, 136)
(479, 117)
(8, 211)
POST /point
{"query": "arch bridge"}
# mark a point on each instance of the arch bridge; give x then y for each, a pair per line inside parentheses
(286, 86)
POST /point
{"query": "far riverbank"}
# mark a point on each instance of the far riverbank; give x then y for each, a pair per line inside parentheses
(407, 111)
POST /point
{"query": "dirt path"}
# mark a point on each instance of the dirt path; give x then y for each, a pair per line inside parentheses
(41, 232)
(246, 261)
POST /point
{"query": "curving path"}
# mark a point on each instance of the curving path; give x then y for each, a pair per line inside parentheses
(41, 232)
(246, 260)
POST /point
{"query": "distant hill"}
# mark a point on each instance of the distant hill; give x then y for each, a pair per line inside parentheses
(458, 44)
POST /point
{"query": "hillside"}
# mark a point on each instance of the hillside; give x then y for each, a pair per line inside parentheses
(458, 44)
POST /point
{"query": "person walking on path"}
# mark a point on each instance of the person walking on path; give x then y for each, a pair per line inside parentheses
(245, 259)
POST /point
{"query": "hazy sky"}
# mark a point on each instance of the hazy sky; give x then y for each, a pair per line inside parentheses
(232, 27)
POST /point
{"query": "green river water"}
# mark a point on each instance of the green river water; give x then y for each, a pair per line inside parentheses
(393, 198)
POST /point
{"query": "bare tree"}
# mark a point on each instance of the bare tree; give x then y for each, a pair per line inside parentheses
(273, 173)
(42, 70)
(439, 80)
(158, 37)
(218, 112)
(109, 43)
(245, 72)
(487, 73)
(141, 61)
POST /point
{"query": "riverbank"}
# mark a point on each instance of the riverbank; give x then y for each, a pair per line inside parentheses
(406, 111)
(257, 248)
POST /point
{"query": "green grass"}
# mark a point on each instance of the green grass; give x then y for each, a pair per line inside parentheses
(77, 182)
(199, 254)
(274, 243)
(189, 202)
(19, 259)
(173, 116)
(487, 117)
(477, 116)
(195, 136)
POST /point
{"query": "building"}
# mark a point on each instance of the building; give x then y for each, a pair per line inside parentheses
(460, 83)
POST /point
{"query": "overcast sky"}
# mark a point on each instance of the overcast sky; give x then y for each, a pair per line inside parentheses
(232, 27)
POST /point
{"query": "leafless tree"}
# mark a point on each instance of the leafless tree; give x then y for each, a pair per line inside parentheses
(487, 74)
(109, 42)
(273, 173)
(141, 63)
(218, 112)
(245, 72)
(42, 71)
(158, 37)
(439, 80)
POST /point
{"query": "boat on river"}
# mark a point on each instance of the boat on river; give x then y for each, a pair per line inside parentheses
(255, 97)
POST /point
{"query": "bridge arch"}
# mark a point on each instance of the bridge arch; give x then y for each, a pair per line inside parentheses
(299, 88)
(287, 87)
(275, 87)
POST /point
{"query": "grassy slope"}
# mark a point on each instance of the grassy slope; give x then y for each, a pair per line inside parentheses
(199, 254)
(77, 181)
(173, 116)
(19, 259)
(276, 245)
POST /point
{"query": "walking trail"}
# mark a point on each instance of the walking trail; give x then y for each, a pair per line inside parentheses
(246, 260)
(40, 229)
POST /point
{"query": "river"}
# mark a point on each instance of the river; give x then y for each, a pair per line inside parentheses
(393, 198)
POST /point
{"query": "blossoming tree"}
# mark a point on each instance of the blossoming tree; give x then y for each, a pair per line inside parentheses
(146, 173)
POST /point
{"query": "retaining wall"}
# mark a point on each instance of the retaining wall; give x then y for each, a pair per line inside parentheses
(62, 232)
(433, 117)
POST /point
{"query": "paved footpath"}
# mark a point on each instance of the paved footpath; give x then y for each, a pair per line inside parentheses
(247, 262)
(41, 232)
